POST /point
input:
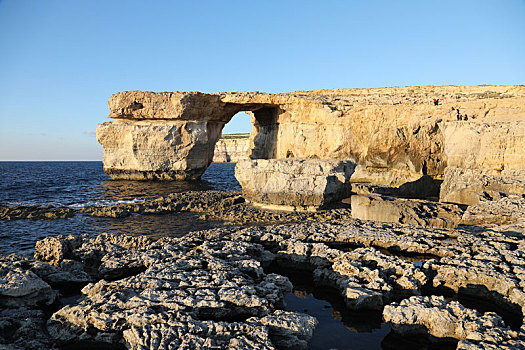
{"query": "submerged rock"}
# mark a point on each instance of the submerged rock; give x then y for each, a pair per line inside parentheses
(34, 212)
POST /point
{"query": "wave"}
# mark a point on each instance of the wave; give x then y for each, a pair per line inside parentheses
(103, 203)
(80, 205)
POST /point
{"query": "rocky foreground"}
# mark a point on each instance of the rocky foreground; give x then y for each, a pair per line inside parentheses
(219, 288)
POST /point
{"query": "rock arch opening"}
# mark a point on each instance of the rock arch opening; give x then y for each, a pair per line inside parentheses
(264, 133)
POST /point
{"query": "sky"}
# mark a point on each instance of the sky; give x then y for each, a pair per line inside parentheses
(60, 61)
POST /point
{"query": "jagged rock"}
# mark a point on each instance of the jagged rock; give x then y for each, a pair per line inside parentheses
(194, 334)
(24, 329)
(193, 201)
(185, 283)
(288, 330)
(366, 278)
(294, 184)
(231, 148)
(209, 288)
(54, 249)
(21, 287)
(484, 160)
(506, 210)
(69, 275)
(405, 211)
(443, 319)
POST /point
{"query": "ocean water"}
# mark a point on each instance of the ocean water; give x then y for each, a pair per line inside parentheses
(84, 184)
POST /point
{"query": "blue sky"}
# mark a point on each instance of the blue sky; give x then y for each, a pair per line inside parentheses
(60, 61)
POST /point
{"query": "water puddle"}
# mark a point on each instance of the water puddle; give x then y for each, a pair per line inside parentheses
(341, 328)
(338, 328)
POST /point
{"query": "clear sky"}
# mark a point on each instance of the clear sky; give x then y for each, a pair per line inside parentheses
(60, 61)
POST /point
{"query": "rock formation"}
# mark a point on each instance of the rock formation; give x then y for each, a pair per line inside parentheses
(294, 184)
(216, 288)
(394, 135)
(484, 160)
(231, 148)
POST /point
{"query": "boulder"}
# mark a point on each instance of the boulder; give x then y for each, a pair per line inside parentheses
(506, 210)
(405, 211)
(294, 184)
(21, 287)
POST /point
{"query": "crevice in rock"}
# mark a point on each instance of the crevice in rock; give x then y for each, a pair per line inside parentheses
(130, 272)
(90, 345)
(394, 341)
(415, 258)
(64, 300)
(479, 298)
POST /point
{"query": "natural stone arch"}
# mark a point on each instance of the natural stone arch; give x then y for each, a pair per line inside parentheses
(393, 135)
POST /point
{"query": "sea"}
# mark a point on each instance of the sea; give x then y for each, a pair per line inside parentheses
(84, 184)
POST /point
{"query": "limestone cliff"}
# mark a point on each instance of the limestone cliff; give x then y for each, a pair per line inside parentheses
(231, 148)
(485, 160)
(394, 135)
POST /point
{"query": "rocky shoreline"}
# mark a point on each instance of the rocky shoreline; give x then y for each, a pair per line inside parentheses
(225, 287)
(402, 208)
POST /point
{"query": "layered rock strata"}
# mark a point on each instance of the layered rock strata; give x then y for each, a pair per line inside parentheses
(394, 135)
(485, 161)
(231, 148)
(294, 184)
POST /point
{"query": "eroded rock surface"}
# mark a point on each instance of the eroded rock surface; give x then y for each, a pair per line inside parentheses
(392, 134)
(485, 160)
(442, 319)
(294, 184)
(190, 292)
(225, 287)
(405, 211)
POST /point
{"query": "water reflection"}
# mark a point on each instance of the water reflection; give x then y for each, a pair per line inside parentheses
(337, 325)
(218, 176)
